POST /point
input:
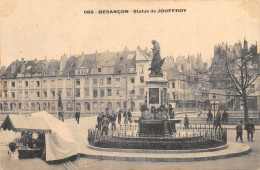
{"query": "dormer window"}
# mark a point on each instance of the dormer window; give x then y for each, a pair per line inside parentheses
(99, 70)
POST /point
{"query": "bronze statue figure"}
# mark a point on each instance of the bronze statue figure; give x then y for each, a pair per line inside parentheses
(157, 61)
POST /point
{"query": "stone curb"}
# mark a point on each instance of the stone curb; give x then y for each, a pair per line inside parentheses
(156, 151)
(162, 158)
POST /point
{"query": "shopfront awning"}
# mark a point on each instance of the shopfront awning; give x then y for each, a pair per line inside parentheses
(20, 123)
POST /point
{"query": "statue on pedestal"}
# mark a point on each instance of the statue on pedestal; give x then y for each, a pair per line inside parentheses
(157, 61)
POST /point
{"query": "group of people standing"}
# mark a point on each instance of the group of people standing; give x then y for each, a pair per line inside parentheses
(104, 119)
(219, 117)
(249, 127)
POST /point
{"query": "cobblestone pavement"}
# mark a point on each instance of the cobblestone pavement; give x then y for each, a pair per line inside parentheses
(79, 131)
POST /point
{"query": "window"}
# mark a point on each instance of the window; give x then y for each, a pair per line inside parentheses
(132, 80)
(13, 84)
(77, 92)
(60, 82)
(52, 82)
(109, 92)
(45, 93)
(141, 91)
(68, 82)
(32, 106)
(38, 83)
(86, 81)
(118, 104)
(26, 83)
(99, 70)
(173, 96)
(38, 94)
(20, 93)
(86, 92)
(5, 84)
(173, 85)
(32, 83)
(101, 81)
(117, 79)
(68, 92)
(102, 105)
(53, 94)
(95, 105)
(109, 105)
(102, 93)
(141, 79)
(117, 93)
(0, 94)
(78, 106)
(44, 106)
(132, 91)
(20, 84)
(77, 81)
(13, 94)
(26, 94)
(69, 106)
(95, 93)
(109, 80)
(87, 106)
(5, 94)
(94, 81)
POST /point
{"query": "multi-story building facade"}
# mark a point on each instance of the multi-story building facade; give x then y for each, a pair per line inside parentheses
(89, 82)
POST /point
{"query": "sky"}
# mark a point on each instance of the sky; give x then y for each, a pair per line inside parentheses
(38, 29)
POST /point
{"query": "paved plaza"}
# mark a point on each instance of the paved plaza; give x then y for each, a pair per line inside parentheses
(79, 131)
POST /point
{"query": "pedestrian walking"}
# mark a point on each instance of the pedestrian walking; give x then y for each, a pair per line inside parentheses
(225, 116)
(77, 115)
(186, 122)
(99, 121)
(218, 121)
(113, 120)
(209, 116)
(129, 115)
(105, 125)
(125, 117)
(250, 128)
(119, 117)
(61, 115)
(239, 129)
(171, 111)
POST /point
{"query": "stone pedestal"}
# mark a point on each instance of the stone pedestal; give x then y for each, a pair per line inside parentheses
(156, 91)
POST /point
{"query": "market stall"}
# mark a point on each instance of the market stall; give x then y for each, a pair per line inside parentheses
(33, 130)
(42, 135)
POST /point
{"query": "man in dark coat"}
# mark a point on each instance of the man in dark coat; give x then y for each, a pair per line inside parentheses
(239, 129)
(77, 115)
(250, 128)
(186, 122)
(99, 121)
(105, 125)
(129, 115)
(171, 112)
(113, 120)
(209, 116)
(119, 117)
(218, 121)
(225, 116)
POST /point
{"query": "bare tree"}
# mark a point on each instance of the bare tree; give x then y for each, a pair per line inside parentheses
(240, 69)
